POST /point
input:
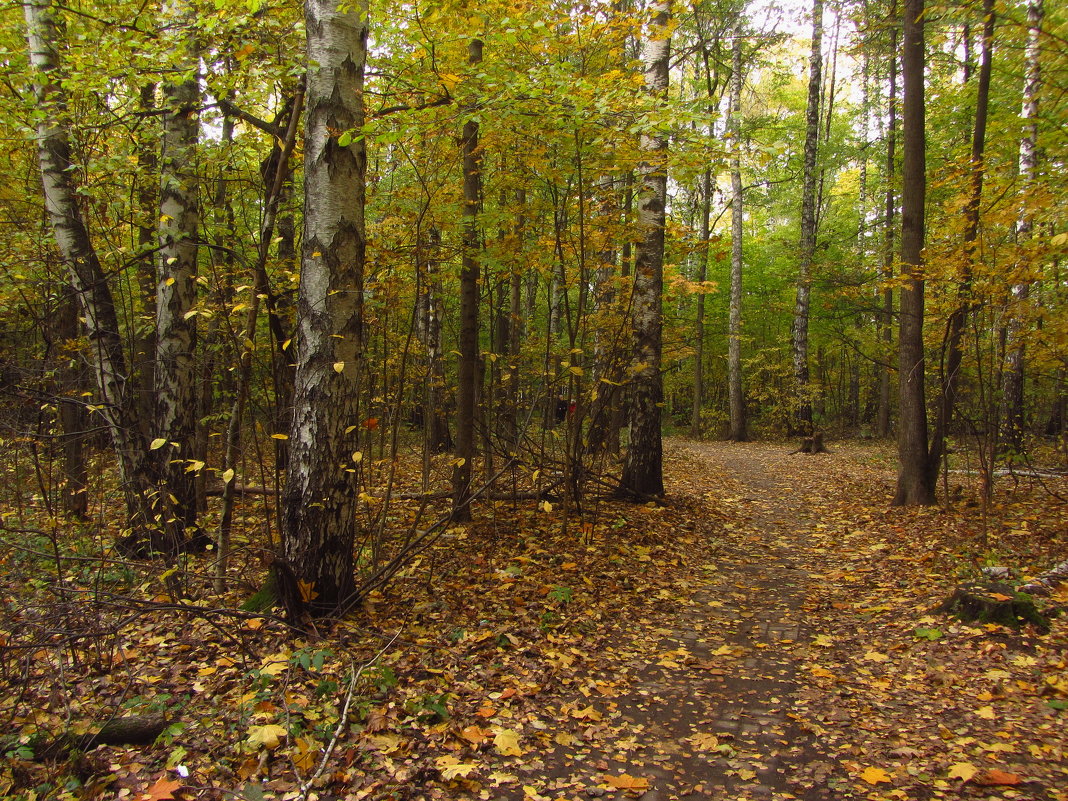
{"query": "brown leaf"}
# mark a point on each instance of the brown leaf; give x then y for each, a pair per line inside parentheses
(997, 778)
(163, 790)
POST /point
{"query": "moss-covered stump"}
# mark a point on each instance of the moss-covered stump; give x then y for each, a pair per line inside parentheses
(993, 602)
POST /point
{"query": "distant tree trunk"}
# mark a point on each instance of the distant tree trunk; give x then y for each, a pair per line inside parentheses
(176, 293)
(808, 223)
(882, 417)
(699, 323)
(73, 420)
(467, 377)
(915, 482)
(320, 497)
(435, 420)
(1012, 414)
(86, 274)
(954, 352)
(643, 473)
(143, 361)
(735, 391)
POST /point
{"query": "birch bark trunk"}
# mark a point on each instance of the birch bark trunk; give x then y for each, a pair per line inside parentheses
(87, 276)
(734, 325)
(322, 478)
(643, 473)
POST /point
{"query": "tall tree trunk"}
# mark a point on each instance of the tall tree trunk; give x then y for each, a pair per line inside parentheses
(808, 223)
(143, 358)
(467, 377)
(882, 417)
(428, 329)
(73, 419)
(954, 353)
(643, 473)
(735, 392)
(915, 482)
(176, 270)
(319, 501)
(1012, 390)
(86, 274)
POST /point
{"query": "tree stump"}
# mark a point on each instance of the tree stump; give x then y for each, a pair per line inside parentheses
(813, 444)
(993, 602)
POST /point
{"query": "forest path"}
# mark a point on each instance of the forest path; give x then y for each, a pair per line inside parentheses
(711, 702)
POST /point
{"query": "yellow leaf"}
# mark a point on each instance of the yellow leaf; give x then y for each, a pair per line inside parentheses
(307, 749)
(962, 770)
(875, 656)
(705, 741)
(451, 768)
(279, 436)
(575, 369)
(228, 475)
(823, 641)
(307, 591)
(357, 456)
(546, 506)
(875, 776)
(267, 736)
(274, 664)
(564, 738)
(506, 741)
(449, 81)
(339, 367)
(821, 673)
(626, 782)
(157, 443)
(985, 712)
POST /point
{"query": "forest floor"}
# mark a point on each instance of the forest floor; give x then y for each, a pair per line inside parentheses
(766, 634)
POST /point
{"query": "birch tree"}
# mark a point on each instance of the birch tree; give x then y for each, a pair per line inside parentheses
(319, 501)
(643, 473)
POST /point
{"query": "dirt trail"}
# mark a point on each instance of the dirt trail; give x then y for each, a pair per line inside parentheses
(706, 709)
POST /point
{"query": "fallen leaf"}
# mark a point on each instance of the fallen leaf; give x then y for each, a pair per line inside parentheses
(267, 736)
(705, 741)
(985, 712)
(626, 782)
(162, 790)
(963, 771)
(451, 768)
(506, 741)
(875, 656)
(875, 776)
(998, 778)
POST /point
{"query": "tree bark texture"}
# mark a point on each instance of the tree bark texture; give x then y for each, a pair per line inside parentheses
(87, 276)
(735, 392)
(953, 349)
(467, 374)
(643, 473)
(176, 294)
(322, 477)
(915, 482)
(799, 338)
(1012, 390)
(882, 418)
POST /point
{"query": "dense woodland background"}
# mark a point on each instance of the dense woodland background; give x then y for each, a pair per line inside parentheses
(296, 291)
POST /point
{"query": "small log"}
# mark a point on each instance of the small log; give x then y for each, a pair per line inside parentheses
(128, 730)
(993, 602)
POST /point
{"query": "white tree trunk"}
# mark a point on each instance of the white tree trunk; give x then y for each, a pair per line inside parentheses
(322, 480)
(643, 473)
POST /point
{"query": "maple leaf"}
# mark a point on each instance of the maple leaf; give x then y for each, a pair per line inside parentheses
(985, 712)
(163, 790)
(506, 741)
(875, 776)
(963, 771)
(705, 741)
(875, 656)
(307, 591)
(451, 768)
(267, 736)
(627, 782)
